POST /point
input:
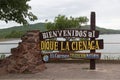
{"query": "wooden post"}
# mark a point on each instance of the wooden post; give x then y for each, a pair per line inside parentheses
(92, 27)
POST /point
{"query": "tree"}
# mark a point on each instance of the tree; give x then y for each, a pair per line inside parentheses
(16, 10)
(63, 22)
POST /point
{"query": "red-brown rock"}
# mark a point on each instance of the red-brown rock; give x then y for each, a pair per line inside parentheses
(26, 57)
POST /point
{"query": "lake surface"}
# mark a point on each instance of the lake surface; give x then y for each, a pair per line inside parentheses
(111, 46)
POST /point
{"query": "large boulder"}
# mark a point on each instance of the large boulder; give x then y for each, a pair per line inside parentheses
(26, 58)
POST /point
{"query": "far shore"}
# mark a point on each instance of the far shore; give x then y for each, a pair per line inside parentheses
(9, 39)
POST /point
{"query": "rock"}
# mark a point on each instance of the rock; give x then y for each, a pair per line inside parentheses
(26, 57)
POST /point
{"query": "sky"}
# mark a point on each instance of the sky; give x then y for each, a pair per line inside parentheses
(107, 11)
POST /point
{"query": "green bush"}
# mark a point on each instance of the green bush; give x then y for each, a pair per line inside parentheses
(2, 56)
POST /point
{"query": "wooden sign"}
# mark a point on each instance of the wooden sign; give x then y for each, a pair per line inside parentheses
(70, 33)
(92, 44)
(71, 45)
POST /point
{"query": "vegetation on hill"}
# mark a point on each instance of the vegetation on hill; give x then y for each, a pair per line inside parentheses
(18, 31)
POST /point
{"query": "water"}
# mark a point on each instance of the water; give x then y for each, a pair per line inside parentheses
(111, 43)
(111, 46)
(6, 48)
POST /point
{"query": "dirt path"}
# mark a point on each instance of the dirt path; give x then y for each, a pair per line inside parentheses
(71, 71)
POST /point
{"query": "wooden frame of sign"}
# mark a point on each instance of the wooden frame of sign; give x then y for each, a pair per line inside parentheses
(92, 44)
(92, 27)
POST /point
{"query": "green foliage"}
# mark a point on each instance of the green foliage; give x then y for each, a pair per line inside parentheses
(16, 10)
(63, 22)
(2, 56)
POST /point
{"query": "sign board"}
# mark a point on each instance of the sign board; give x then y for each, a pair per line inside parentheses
(70, 33)
(55, 56)
(71, 45)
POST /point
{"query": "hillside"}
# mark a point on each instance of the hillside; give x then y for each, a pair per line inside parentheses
(18, 31)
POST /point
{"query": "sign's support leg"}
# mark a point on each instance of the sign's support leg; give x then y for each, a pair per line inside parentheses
(92, 64)
(92, 26)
